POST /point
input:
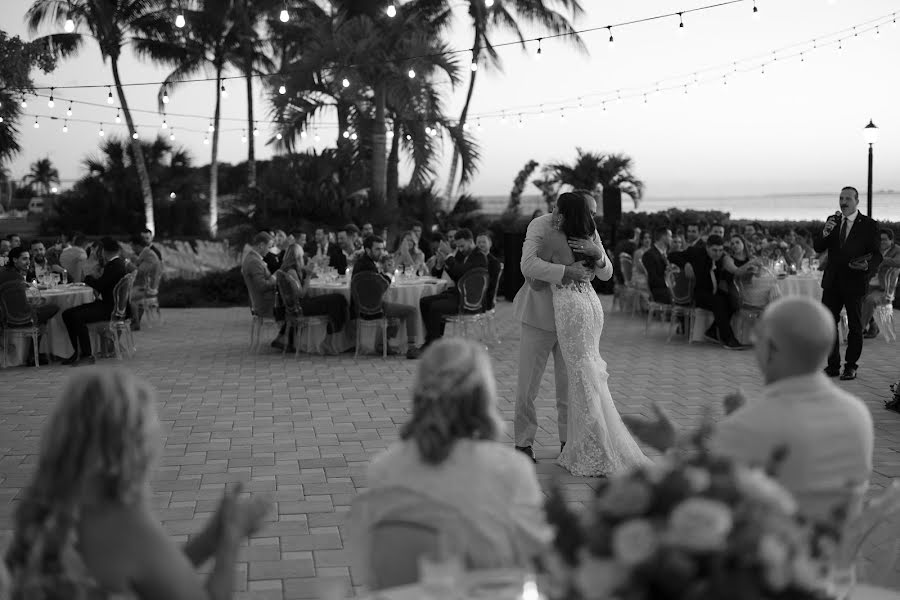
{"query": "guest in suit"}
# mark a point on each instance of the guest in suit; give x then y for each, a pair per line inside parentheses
(371, 261)
(890, 253)
(260, 283)
(450, 474)
(347, 239)
(78, 317)
(326, 252)
(422, 240)
(656, 263)
(484, 242)
(434, 308)
(692, 235)
(15, 270)
(853, 249)
(704, 265)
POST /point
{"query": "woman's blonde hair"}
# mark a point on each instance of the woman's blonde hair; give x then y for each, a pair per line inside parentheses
(454, 398)
(293, 258)
(99, 445)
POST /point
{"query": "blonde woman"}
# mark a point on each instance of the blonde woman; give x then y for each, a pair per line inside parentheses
(451, 475)
(84, 528)
(408, 257)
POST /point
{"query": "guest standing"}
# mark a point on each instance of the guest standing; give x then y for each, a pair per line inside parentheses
(853, 251)
(77, 318)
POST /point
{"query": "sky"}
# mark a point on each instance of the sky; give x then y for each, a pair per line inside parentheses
(791, 127)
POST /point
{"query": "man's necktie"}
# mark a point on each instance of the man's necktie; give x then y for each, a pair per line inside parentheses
(844, 228)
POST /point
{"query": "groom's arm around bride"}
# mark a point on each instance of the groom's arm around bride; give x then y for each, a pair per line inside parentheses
(540, 273)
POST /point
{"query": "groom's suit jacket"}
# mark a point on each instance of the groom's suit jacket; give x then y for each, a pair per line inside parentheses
(535, 307)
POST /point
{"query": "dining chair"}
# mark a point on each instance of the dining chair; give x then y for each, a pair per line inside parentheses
(640, 288)
(491, 313)
(752, 295)
(367, 291)
(681, 288)
(625, 292)
(884, 310)
(118, 328)
(18, 319)
(294, 319)
(149, 304)
(472, 287)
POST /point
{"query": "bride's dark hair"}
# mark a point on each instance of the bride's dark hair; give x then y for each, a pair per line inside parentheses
(577, 220)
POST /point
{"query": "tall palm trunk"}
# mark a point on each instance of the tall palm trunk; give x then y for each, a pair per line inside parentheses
(139, 162)
(379, 150)
(251, 151)
(214, 162)
(393, 167)
(451, 181)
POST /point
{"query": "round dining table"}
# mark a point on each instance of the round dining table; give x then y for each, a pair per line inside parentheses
(809, 285)
(402, 290)
(57, 342)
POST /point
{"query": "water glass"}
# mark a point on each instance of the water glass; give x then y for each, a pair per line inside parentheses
(804, 265)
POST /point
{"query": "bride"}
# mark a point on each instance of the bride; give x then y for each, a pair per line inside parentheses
(598, 444)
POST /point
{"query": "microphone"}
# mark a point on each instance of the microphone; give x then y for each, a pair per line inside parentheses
(837, 216)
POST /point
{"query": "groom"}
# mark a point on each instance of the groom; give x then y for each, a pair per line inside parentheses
(533, 306)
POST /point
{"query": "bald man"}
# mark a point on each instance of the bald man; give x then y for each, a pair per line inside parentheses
(827, 432)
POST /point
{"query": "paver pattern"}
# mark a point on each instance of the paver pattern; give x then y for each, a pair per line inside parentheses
(304, 430)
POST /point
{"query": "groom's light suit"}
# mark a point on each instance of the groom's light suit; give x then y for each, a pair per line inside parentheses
(534, 308)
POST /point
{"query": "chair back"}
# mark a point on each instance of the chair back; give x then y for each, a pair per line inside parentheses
(399, 545)
(627, 263)
(122, 295)
(14, 306)
(757, 292)
(367, 290)
(491, 301)
(290, 291)
(681, 287)
(890, 284)
(153, 277)
(473, 287)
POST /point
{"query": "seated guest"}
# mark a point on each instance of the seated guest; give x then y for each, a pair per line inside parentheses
(15, 270)
(408, 257)
(367, 230)
(692, 235)
(77, 318)
(334, 306)
(14, 239)
(639, 275)
(147, 235)
(450, 478)
(146, 283)
(827, 432)
(72, 259)
(297, 237)
(371, 261)
(434, 242)
(39, 264)
(346, 241)
(326, 253)
(83, 526)
(703, 263)
(274, 255)
(435, 308)
(890, 253)
(260, 283)
(629, 242)
(656, 263)
(483, 243)
(738, 261)
(356, 240)
(717, 229)
(422, 241)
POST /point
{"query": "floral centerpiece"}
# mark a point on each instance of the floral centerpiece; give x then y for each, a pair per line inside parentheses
(693, 528)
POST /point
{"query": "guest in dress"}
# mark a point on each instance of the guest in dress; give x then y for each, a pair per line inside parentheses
(890, 253)
(408, 257)
(84, 528)
(468, 494)
(293, 270)
(827, 432)
(738, 261)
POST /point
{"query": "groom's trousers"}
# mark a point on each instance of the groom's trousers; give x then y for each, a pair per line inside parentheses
(534, 350)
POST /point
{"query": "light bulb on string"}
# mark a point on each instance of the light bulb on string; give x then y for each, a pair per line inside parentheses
(540, 49)
(734, 67)
(278, 136)
(255, 131)
(172, 134)
(618, 96)
(580, 105)
(1, 118)
(391, 10)
(66, 127)
(473, 66)
(50, 102)
(603, 105)
(840, 44)
(206, 140)
(69, 110)
(503, 118)
(24, 103)
(69, 27)
(118, 118)
(284, 17)
(488, 3)
(562, 115)
(243, 137)
(223, 91)
(165, 97)
(801, 58)
(346, 135)
(211, 127)
(172, 195)
(345, 82)
(282, 90)
(855, 34)
(303, 135)
(179, 21)
(135, 135)
(164, 124)
(100, 133)
(408, 137)
(353, 136)
(894, 22)
(36, 124)
(109, 96)
(877, 33)
(316, 137)
(680, 24)
(466, 126)
(412, 73)
(762, 70)
(390, 133)
(755, 11)
(521, 122)
(612, 42)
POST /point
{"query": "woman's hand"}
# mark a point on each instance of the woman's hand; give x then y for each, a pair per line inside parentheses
(586, 247)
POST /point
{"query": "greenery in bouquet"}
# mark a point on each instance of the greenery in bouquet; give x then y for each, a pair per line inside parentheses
(693, 528)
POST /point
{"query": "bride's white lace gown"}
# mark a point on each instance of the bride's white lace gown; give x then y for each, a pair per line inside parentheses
(599, 443)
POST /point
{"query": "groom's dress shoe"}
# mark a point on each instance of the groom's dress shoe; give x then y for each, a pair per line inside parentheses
(527, 451)
(848, 374)
(832, 371)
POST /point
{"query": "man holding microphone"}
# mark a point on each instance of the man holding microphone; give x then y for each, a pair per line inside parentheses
(851, 240)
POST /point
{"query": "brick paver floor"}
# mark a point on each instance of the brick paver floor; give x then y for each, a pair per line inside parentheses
(304, 430)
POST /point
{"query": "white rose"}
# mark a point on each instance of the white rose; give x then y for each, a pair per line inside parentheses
(634, 541)
(700, 524)
(598, 579)
(755, 484)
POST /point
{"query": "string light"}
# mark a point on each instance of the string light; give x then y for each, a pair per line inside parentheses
(109, 96)
(206, 140)
(618, 96)
(612, 42)
(503, 118)
(303, 134)
(316, 136)
(135, 135)
(680, 23)
(521, 122)
(50, 102)
(877, 33)
(353, 136)
(801, 57)
(223, 91)
(118, 118)
(540, 49)
(580, 105)
(172, 195)
(69, 110)
(66, 127)
(391, 10)
(164, 124)
(478, 126)
(165, 97)
(211, 127)
(755, 11)
(243, 137)
(345, 82)
(255, 131)
(284, 17)
(24, 103)
(172, 134)
(179, 21)
(473, 66)
(69, 27)
(282, 90)
(412, 74)
(763, 69)
(488, 3)
(36, 124)
(278, 136)
(100, 133)
(562, 115)
(604, 108)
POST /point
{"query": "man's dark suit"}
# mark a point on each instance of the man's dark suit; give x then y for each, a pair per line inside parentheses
(335, 255)
(493, 275)
(655, 264)
(44, 312)
(78, 317)
(706, 294)
(843, 287)
(404, 312)
(434, 308)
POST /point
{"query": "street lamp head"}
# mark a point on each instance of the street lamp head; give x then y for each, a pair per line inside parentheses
(870, 133)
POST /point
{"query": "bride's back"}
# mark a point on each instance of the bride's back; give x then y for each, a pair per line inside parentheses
(555, 248)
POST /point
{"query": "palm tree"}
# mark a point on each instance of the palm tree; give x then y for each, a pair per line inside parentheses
(42, 176)
(506, 16)
(203, 48)
(112, 23)
(597, 172)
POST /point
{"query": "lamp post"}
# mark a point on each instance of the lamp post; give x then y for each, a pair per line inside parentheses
(870, 134)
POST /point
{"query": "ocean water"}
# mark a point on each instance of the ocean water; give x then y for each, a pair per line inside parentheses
(774, 207)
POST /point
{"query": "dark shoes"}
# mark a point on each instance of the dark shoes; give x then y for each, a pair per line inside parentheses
(849, 374)
(872, 333)
(562, 447)
(712, 336)
(75, 360)
(832, 371)
(413, 353)
(733, 344)
(527, 451)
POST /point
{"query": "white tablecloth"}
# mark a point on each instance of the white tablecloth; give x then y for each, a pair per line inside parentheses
(402, 291)
(63, 297)
(801, 285)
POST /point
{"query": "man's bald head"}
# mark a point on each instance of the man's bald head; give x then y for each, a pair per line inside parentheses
(795, 336)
